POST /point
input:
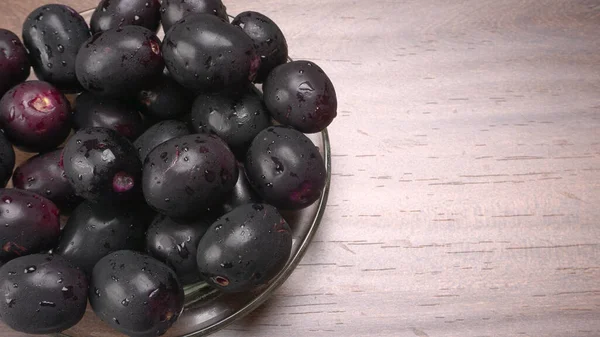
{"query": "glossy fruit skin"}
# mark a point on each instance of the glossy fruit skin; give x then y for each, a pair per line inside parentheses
(102, 165)
(285, 168)
(45, 294)
(7, 160)
(200, 63)
(26, 212)
(175, 242)
(242, 193)
(14, 61)
(95, 230)
(158, 134)
(135, 294)
(235, 117)
(98, 111)
(301, 95)
(43, 174)
(269, 40)
(175, 10)
(120, 62)
(35, 116)
(245, 248)
(53, 35)
(118, 13)
(166, 100)
(186, 175)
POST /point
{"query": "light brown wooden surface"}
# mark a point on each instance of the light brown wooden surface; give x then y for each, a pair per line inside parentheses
(466, 171)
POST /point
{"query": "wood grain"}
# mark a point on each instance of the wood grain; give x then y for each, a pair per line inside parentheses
(466, 169)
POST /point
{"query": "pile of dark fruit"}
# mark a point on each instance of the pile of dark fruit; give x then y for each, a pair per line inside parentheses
(176, 168)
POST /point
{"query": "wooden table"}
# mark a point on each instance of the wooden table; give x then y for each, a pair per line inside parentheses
(466, 169)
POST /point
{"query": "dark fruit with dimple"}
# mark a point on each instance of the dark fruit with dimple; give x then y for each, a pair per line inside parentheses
(175, 242)
(135, 294)
(35, 116)
(53, 35)
(235, 117)
(43, 174)
(166, 100)
(95, 230)
(301, 95)
(205, 53)
(120, 62)
(43, 294)
(97, 111)
(118, 13)
(269, 40)
(175, 10)
(14, 61)
(30, 223)
(7, 160)
(102, 165)
(285, 168)
(242, 193)
(158, 134)
(186, 175)
(245, 248)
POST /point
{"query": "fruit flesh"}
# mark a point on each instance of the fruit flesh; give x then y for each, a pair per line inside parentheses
(14, 61)
(245, 248)
(26, 212)
(35, 116)
(42, 174)
(135, 294)
(44, 294)
(53, 35)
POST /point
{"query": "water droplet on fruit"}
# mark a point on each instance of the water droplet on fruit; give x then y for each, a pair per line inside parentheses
(97, 292)
(78, 141)
(7, 200)
(60, 48)
(29, 205)
(80, 177)
(269, 185)
(48, 192)
(217, 228)
(154, 293)
(11, 273)
(136, 18)
(49, 65)
(209, 176)
(47, 304)
(114, 278)
(125, 302)
(29, 269)
(59, 281)
(15, 285)
(226, 265)
(116, 320)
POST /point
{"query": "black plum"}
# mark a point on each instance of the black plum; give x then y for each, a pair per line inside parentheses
(242, 193)
(285, 168)
(43, 294)
(95, 230)
(175, 242)
(186, 175)
(31, 223)
(301, 95)
(158, 134)
(167, 99)
(205, 53)
(102, 165)
(245, 248)
(14, 61)
(7, 160)
(235, 117)
(135, 294)
(269, 40)
(43, 174)
(175, 10)
(98, 111)
(53, 35)
(35, 116)
(120, 62)
(118, 13)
